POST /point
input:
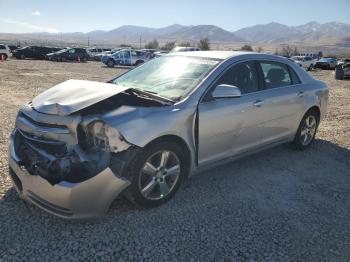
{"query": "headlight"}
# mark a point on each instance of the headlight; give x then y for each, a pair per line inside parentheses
(98, 131)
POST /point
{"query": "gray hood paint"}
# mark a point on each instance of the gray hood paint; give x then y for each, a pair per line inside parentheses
(74, 95)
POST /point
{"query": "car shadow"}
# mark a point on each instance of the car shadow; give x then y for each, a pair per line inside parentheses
(119, 67)
(321, 153)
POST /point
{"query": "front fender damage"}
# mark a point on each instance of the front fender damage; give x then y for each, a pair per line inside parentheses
(79, 162)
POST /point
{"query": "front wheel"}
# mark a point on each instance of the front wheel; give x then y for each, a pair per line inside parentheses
(307, 130)
(110, 63)
(339, 73)
(138, 62)
(4, 57)
(156, 174)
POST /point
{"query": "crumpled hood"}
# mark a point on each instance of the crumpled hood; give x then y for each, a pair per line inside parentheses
(74, 95)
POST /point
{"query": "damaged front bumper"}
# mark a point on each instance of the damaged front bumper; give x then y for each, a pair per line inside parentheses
(48, 180)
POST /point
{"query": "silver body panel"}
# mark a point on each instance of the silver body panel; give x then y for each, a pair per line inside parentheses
(213, 131)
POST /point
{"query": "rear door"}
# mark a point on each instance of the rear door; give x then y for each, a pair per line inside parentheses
(283, 98)
(231, 126)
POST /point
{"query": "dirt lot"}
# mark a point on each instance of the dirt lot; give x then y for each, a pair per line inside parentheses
(280, 205)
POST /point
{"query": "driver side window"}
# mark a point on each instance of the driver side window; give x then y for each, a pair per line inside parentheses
(244, 76)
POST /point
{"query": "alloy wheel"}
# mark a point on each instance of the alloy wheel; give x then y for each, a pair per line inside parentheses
(159, 175)
(308, 130)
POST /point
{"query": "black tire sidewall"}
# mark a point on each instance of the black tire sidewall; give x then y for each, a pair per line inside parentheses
(297, 143)
(133, 192)
(110, 63)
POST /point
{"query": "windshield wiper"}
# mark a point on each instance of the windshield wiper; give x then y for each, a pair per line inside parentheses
(151, 94)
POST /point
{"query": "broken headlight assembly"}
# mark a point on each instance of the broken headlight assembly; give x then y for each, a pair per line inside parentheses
(103, 136)
(98, 135)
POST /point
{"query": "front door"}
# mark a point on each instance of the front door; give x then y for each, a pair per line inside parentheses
(231, 126)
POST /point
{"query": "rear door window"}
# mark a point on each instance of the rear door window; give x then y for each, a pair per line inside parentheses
(294, 76)
(275, 74)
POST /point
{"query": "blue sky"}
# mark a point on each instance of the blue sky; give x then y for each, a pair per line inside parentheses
(83, 15)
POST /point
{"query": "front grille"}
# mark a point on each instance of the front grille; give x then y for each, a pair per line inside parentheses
(49, 145)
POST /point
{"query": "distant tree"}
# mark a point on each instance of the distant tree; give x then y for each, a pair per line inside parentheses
(247, 48)
(260, 49)
(185, 44)
(168, 46)
(289, 51)
(152, 45)
(125, 45)
(204, 44)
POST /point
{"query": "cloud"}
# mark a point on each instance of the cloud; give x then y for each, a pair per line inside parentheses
(29, 27)
(36, 13)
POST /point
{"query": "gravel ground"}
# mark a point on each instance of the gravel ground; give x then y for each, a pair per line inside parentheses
(279, 205)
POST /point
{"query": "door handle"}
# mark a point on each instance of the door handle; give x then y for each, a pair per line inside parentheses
(301, 94)
(258, 103)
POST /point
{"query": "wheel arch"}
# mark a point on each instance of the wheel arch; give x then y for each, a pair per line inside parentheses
(316, 109)
(179, 141)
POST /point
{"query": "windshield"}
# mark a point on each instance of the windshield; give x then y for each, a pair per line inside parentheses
(171, 77)
(326, 59)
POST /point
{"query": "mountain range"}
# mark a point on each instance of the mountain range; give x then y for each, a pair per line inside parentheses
(272, 33)
(267, 33)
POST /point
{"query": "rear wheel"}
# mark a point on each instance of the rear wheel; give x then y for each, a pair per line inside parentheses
(156, 174)
(63, 59)
(22, 56)
(307, 130)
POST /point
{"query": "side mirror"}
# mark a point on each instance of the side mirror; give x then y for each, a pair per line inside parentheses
(226, 91)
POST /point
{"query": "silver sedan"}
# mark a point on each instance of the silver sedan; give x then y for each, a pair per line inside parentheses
(79, 145)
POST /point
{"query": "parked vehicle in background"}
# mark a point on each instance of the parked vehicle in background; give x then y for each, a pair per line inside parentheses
(342, 69)
(37, 52)
(98, 56)
(185, 49)
(306, 62)
(125, 57)
(69, 54)
(79, 145)
(14, 47)
(326, 63)
(152, 52)
(5, 51)
(96, 50)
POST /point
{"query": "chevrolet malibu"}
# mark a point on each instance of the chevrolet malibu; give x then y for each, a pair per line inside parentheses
(79, 145)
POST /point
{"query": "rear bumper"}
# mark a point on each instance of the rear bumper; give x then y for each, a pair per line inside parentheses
(88, 199)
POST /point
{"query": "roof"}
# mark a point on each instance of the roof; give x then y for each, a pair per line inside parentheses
(212, 54)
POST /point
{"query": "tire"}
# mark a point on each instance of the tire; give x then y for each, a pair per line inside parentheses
(63, 59)
(110, 63)
(4, 56)
(157, 185)
(139, 62)
(310, 67)
(339, 73)
(84, 60)
(22, 56)
(307, 127)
